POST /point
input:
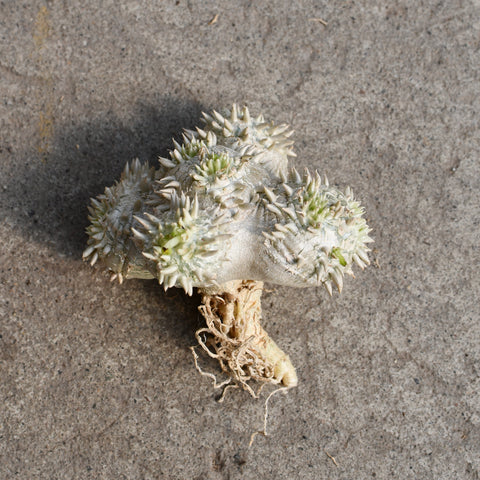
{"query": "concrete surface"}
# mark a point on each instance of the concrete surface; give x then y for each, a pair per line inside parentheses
(97, 381)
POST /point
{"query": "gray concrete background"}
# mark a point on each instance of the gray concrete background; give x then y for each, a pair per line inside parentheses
(97, 381)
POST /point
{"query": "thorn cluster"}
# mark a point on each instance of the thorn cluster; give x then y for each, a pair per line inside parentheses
(226, 206)
(111, 215)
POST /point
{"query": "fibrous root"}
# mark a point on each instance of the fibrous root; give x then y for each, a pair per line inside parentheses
(234, 336)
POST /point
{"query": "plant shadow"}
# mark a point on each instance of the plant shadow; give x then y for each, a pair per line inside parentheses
(49, 198)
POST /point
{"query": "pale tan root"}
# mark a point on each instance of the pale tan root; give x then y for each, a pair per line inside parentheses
(265, 416)
(236, 339)
(226, 384)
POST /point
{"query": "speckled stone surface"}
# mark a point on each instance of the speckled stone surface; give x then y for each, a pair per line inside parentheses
(97, 380)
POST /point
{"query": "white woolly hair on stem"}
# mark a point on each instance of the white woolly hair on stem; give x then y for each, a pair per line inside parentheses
(225, 213)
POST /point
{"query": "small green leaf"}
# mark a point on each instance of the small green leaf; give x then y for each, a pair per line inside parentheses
(337, 253)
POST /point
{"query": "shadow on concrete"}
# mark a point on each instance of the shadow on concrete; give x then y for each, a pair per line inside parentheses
(179, 317)
(51, 197)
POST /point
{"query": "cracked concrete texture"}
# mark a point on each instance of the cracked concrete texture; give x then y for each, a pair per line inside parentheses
(97, 379)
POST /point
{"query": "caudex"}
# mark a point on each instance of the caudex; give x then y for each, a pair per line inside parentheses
(224, 214)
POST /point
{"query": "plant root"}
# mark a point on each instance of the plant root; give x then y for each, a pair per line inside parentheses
(225, 385)
(265, 416)
(236, 339)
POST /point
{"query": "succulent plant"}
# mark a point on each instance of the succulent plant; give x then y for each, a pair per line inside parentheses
(224, 214)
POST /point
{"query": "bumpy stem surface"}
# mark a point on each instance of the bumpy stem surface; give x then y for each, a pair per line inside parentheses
(236, 339)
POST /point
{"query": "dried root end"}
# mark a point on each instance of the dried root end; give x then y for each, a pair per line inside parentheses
(236, 339)
(265, 416)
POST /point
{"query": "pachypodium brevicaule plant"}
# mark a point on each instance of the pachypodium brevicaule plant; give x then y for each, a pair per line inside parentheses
(224, 214)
